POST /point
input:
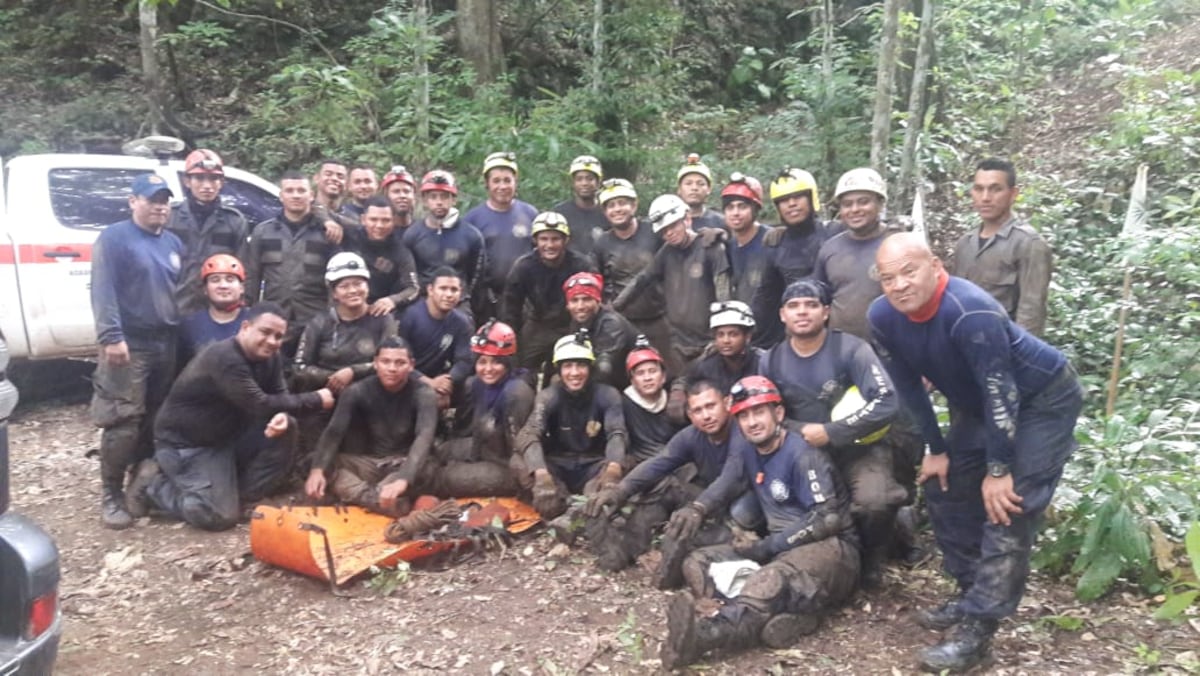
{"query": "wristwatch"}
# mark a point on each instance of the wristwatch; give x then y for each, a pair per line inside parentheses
(997, 469)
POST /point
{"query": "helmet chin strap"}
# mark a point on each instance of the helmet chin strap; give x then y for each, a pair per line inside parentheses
(229, 307)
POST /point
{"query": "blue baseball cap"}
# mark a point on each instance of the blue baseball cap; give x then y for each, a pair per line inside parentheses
(149, 185)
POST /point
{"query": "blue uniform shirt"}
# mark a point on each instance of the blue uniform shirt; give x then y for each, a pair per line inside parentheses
(134, 275)
(438, 345)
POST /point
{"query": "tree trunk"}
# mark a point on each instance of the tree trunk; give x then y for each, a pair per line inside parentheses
(916, 106)
(881, 121)
(478, 24)
(827, 20)
(147, 39)
(422, 62)
(597, 45)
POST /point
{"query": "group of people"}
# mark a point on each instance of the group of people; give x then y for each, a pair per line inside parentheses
(761, 391)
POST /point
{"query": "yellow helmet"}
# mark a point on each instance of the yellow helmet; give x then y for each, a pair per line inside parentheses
(501, 160)
(575, 347)
(693, 165)
(791, 181)
(550, 221)
(586, 163)
(851, 403)
(616, 187)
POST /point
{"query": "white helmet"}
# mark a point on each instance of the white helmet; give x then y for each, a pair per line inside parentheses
(730, 313)
(863, 178)
(851, 404)
(343, 265)
(667, 210)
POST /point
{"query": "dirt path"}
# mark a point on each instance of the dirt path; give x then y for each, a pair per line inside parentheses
(162, 598)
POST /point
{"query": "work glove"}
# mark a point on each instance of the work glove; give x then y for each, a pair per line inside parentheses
(711, 236)
(607, 501)
(750, 546)
(685, 522)
(548, 502)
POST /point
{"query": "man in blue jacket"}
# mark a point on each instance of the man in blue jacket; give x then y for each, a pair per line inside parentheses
(1014, 401)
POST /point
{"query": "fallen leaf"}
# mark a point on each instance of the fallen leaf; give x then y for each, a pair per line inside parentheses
(496, 668)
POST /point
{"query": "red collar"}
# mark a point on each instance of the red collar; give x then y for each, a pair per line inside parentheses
(929, 309)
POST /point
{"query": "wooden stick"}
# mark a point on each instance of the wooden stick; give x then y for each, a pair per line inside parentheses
(1114, 377)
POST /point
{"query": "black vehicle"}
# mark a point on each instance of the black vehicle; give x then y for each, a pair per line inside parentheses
(30, 621)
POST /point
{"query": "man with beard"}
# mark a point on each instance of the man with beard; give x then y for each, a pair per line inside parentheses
(624, 251)
(400, 189)
(439, 334)
(583, 211)
(479, 458)
(815, 368)
(363, 184)
(1014, 400)
(224, 286)
(612, 336)
(575, 440)
(375, 450)
(135, 273)
(224, 436)
(393, 282)
(505, 222)
(204, 225)
(285, 259)
(790, 249)
(441, 239)
(693, 183)
(692, 274)
(742, 199)
(809, 559)
(846, 260)
(533, 296)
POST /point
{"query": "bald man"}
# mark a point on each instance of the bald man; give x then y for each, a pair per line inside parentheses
(1014, 399)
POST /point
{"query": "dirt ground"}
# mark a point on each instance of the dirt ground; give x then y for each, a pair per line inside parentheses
(162, 598)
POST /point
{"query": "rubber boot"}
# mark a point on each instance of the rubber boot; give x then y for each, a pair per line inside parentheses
(137, 499)
(783, 631)
(112, 506)
(942, 617)
(669, 574)
(608, 542)
(689, 637)
(966, 646)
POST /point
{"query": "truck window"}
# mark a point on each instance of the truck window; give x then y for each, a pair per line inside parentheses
(256, 204)
(91, 198)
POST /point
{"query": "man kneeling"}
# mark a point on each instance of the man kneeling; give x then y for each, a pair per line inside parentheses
(810, 558)
(379, 438)
(212, 452)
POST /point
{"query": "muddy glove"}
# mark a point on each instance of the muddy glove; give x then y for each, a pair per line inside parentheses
(546, 499)
(750, 546)
(607, 501)
(711, 236)
(685, 522)
(677, 406)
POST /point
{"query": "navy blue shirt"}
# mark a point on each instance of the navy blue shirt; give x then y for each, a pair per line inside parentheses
(199, 329)
(720, 372)
(134, 275)
(505, 238)
(689, 445)
(984, 363)
(793, 257)
(459, 246)
(439, 345)
(748, 263)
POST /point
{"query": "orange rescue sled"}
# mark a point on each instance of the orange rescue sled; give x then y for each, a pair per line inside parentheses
(338, 543)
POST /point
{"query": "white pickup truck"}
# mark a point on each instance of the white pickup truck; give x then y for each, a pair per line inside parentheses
(52, 207)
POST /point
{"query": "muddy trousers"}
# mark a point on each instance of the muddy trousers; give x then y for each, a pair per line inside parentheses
(206, 486)
(991, 562)
(125, 400)
(536, 347)
(462, 472)
(876, 496)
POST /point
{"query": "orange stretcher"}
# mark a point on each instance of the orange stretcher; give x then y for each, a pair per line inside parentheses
(338, 543)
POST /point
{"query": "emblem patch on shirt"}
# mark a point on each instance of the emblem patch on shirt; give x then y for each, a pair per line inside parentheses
(696, 271)
(444, 343)
(779, 490)
(174, 258)
(593, 428)
(520, 231)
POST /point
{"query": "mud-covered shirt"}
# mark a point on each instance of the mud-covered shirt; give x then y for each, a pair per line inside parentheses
(613, 337)
(984, 363)
(722, 372)
(846, 265)
(393, 270)
(534, 290)
(458, 245)
(689, 445)
(369, 420)
(285, 264)
(505, 238)
(649, 431)
(748, 265)
(493, 415)
(221, 394)
(791, 255)
(330, 343)
(575, 426)
(204, 233)
(439, 345)
(811, 386)
(693, 277)
(709, 219)
(621, 260)
(587, 225)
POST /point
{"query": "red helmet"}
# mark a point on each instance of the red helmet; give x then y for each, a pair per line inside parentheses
(398, 174)
(641, 353)
(741, 186)
(752, 391)
(204, 161)
(584, 284)
(218, 264)
(439, 180)
(495, 339)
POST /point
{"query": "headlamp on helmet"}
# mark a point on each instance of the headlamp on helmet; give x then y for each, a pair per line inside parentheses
(752, 391)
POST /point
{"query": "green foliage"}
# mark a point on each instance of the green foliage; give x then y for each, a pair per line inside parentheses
(198, 35)
(1182, 591)
(385, 581)
(631, 639)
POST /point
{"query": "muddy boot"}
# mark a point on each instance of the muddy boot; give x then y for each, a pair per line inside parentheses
(966, 646)
(112, 506)
(689, 637)
(669, 574)
(871, 576)
(679, 650)
(137, 499)
(608, 542)
(783, 631)
(942, 617)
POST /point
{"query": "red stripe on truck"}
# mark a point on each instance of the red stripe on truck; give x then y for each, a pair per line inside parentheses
(28, 254)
